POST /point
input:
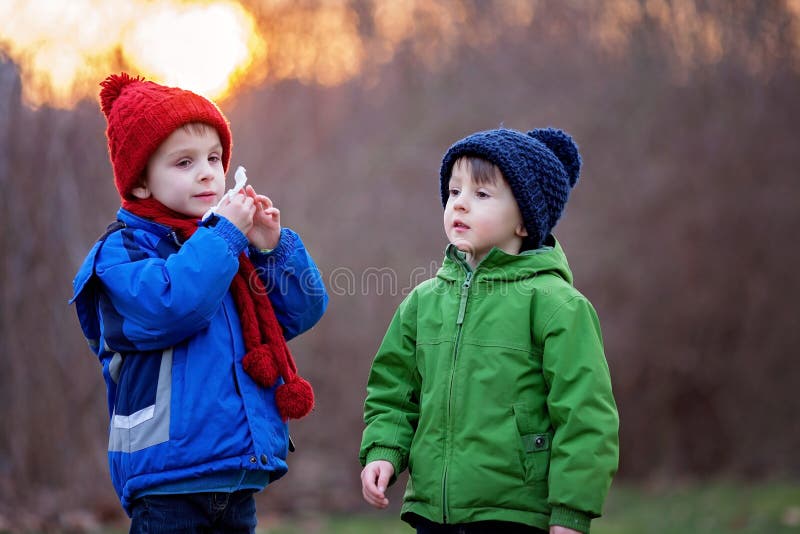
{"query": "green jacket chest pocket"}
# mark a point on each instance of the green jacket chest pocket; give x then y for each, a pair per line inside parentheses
(535, 445)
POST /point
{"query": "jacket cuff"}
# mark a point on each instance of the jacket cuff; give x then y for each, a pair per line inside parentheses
(390, 455)
(264, 254)
(278, 256)
(228, 231)
(287, 243)
(570, 518)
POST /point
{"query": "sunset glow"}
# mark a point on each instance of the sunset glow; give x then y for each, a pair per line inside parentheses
(198, 47)
(216, 47)
(64, 48)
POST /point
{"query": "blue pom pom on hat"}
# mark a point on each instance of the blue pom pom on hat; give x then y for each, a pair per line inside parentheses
(541, 168)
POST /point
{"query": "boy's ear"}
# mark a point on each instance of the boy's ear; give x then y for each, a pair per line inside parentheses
(521, 231)
(141, 192)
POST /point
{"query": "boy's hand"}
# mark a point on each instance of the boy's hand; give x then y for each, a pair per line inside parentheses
(239, 210)
(374, 480)
(266, 230)
(556, 529)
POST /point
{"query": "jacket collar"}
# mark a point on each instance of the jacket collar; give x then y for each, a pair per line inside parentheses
(502, 266)
(134, 221)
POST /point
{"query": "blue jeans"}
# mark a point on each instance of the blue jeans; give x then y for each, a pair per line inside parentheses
(195, 513)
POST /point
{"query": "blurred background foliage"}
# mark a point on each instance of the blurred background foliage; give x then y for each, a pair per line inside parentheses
(679, 230)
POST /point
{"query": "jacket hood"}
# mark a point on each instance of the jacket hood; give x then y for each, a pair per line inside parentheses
(501, 266)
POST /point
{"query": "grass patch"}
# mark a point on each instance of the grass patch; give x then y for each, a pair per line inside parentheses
(721, 507)
(390, 524)
(716, 508)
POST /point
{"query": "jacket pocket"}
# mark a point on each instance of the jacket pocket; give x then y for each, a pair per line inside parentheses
(141, 413)
(535, 445)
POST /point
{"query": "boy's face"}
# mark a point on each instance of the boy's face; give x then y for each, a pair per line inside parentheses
(478, 217)
(185, 173)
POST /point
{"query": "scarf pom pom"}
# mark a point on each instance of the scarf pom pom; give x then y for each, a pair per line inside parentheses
(295, 399)
(259, 364)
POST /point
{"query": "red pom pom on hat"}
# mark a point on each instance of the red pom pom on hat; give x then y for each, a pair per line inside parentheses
(112, 88)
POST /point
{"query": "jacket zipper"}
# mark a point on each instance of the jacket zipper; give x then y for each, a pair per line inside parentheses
(462, 307)
(233, 367)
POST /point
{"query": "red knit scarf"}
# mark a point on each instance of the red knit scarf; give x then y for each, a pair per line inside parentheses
(268, 356)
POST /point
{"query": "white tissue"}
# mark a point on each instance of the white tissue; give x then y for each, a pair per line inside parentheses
(240, 178)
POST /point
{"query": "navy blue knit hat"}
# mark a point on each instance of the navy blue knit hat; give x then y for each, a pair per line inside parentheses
(541, 167)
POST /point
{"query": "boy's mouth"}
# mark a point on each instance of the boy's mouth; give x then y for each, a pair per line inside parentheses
(206, 197)
(458, 225)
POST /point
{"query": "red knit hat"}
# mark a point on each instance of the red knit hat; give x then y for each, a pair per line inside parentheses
(142, 114)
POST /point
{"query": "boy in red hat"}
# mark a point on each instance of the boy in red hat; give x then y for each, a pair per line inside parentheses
(189, 317)
(491, 385)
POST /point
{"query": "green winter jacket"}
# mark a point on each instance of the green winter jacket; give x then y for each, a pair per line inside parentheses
(491, 386)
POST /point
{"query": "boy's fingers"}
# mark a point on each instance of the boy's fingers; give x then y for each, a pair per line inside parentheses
(383, 480)
(368, 496)
(368, 490)
(368, 476)
(377, 502)
(369, 479)
(374, 480)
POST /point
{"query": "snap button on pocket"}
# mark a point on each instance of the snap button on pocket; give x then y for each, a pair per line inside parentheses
(541, 442)
(536, 442)
(537, 460)
(253, 459)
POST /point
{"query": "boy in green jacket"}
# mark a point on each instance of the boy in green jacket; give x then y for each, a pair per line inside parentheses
(491, 385)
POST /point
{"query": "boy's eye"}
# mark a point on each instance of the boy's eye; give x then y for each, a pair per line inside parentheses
(213, 158)
(482, 194)
(185, 162)
(454, 192)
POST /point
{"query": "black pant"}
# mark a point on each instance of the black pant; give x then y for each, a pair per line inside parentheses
(481, 527)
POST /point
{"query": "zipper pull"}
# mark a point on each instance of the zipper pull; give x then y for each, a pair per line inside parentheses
(464, 293)
(174, 237)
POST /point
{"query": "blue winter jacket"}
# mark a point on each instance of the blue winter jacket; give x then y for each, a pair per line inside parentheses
(161, 318)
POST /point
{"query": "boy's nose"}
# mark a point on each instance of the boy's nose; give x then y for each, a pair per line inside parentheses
(206, 172)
